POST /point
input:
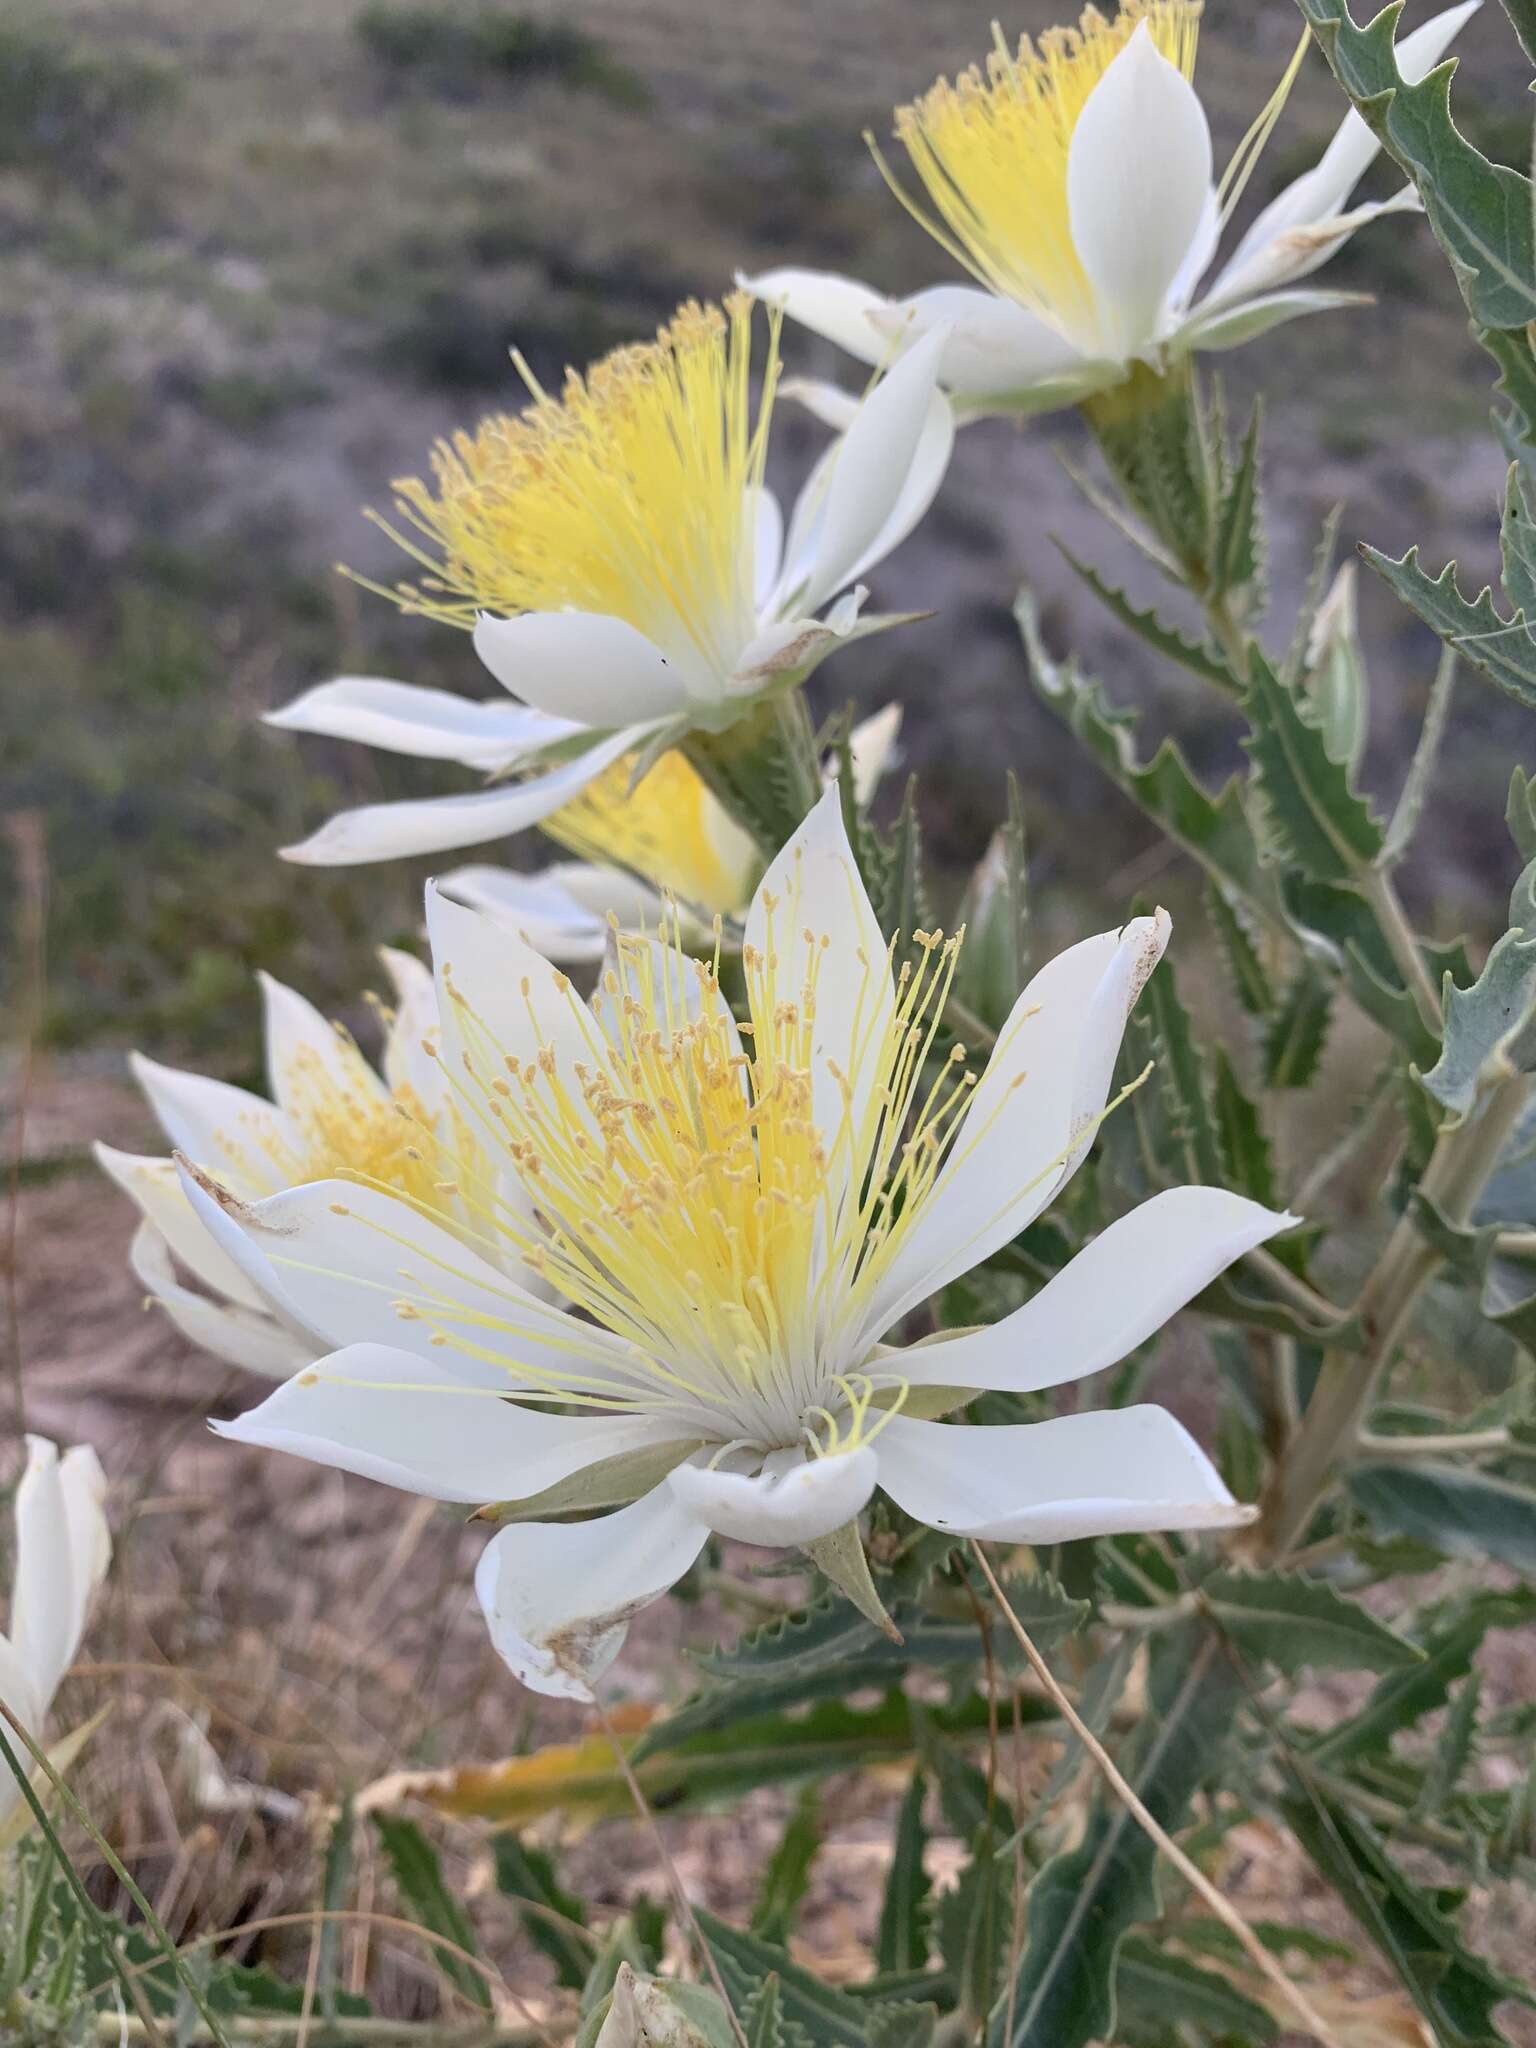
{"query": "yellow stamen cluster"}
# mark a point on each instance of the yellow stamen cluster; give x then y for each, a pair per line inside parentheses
(991, 151)
(349, 1129)
(630, 494)
(696, 1197)
(668, 829)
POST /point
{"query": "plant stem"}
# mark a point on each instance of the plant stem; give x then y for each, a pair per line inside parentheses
(1406, 1449)
(1228, 634)
(1381, 893)
(1461, 1162)
(1282, 1281)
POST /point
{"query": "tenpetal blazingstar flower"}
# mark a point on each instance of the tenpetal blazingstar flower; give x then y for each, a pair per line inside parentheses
(627, 574)
(63, 1548)
(742, 1214)
(330, 1115)
(1073, 181)
(662, 846)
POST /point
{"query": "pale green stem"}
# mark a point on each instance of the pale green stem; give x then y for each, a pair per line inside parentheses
(1381, 893)
(1406, 1449)
(1462, 1160)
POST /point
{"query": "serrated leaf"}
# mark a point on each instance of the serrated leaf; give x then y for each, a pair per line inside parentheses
(1155, 1983)
(1455, 1991)
(1237, 539)
(1426, 758)
(1503, 650)
(1486, 1025)
(903, 2026)
(1250, 982)
(1151, 435)
(1310, 816)
(1180, 1074)
(1453, 1752)
(1244, 1145)
(428, 1901)
(556, 1924)
(974, 1921)
(1164, 638)
(1085, 1900)
(1214, 829)
(1522, 16)
(1403, 1698)
(761, 2020)
(901, 1942)
(1298, 1623)
(1312, 598)
(828, 2015)
(1298, 1030)
(1461, 1513)
(788, 1874)
(1481, 212)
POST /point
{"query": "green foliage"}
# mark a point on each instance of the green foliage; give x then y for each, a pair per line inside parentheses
(461, 51)
(1456, 1510)
(555, 1919)
(1482, 212)
(902, 1940)
(1298, 1623)
(1503, 650)
(788, 1873)
(1310, 817)
(427, 1900)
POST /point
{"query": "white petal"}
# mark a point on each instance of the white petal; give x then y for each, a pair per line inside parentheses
(418, 1424)
(434, 725)
(433, 824)
(18, 1693)
(415, 1019)
(765, 527)
(1032, 1115)
(1295, 252)
(253, 1338)
(1321, 192)
(306, 1053)
(873, 463)
(930, 459)
(558, 1597)
(232, 1132)
(84, 1486)
(1197, 257)
(581, 665)
(340, 1259)
(1112, 1472)
(797, 1501)
(154, 1186)
(45, 1601)
(542, 911)
(817, 889)
(1250, 318)
(1106, 1301)
(1138, 172)
(497, 998)
(872, 749)
(992, 347)
(563, 910)
(839, 308)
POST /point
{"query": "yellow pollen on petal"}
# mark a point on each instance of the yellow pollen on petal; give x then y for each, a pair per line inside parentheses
(670, 829)
(991, 151)
(631, 494)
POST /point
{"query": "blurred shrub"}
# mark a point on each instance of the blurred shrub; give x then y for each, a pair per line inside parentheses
(461, 52)
(64, 109)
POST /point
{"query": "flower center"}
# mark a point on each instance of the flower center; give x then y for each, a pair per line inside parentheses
(669, 829)
(694, 1195)
(632, 494)
(991, 152)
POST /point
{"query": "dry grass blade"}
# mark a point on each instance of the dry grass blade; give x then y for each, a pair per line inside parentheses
(1193, 1876)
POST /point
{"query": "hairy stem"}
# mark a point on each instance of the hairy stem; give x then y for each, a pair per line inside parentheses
(1381, 894)
(1462, 1160)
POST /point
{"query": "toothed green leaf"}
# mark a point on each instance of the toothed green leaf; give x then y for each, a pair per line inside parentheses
(902, 1940)
(1503, 650)
(1309, 815)
(1298, 1031)
(1198, 656)
(1481, 212)
(1298, 1623)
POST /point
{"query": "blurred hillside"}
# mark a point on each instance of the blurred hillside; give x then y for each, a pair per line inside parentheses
(252, 260)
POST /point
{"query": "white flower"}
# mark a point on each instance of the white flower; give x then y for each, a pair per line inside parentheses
(743, 1215)
(663, 839)
(628, 575)
(1074, 182)
(63, 1548)
(330, 1115)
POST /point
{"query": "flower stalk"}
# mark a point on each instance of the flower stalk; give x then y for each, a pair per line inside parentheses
(1463, 1158)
